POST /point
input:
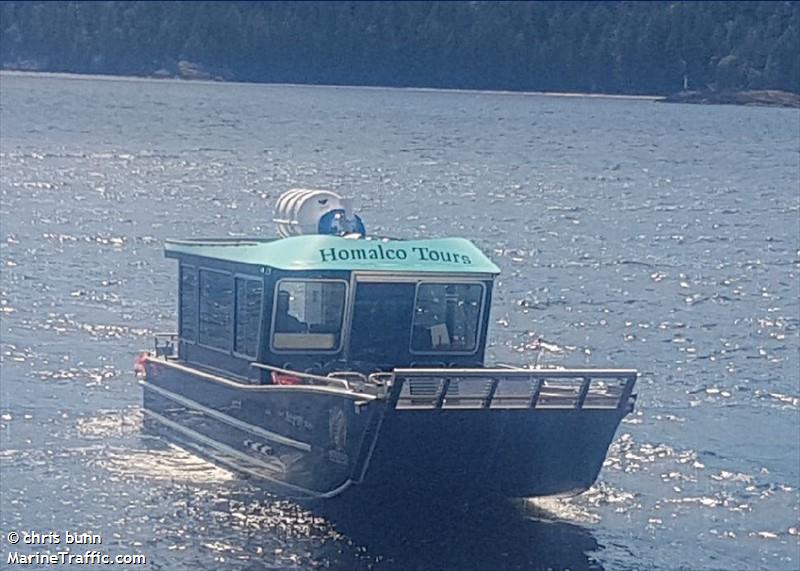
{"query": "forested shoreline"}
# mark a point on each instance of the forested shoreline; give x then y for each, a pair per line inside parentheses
(592, 47)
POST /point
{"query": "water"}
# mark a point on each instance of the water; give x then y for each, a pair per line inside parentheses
(630, 233)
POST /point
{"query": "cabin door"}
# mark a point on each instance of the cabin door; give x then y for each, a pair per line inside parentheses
(381, 328)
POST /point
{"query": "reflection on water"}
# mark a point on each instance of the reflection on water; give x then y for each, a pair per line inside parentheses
(498, 535)
(201, 516)
(165, 462)
(390, 533)
(191, 504)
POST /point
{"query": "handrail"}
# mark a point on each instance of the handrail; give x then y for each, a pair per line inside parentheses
(167, 346)
(380, 378)
(316, 379)
(538, 372)
(222, 241)
(238, 385)
(511, 367)
(345, 374)
(527, 367)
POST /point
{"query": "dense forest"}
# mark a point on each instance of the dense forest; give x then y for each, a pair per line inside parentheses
(612, 47)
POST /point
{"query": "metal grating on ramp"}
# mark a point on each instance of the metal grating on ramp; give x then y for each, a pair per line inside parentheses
(446, 389)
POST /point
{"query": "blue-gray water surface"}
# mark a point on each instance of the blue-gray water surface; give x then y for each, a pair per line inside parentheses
(630, 234)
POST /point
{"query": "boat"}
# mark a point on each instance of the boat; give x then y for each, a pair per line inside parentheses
(327, 363)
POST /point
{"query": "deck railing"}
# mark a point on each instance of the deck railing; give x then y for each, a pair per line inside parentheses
(506, 388)
(165, 344)
(303, 378)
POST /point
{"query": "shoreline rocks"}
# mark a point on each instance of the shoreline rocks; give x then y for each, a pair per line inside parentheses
(763, 98)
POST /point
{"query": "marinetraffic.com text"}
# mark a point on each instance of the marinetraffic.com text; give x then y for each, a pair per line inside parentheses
(44, 548)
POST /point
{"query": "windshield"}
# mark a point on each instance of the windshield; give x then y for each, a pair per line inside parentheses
(308, 315)
(447, 318)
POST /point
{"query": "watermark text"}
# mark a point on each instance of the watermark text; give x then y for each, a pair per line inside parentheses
(43, 548)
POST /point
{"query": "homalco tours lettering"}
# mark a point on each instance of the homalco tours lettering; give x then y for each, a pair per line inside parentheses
(380, 252)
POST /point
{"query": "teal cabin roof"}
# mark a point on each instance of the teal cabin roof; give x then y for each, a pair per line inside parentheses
(324, 252)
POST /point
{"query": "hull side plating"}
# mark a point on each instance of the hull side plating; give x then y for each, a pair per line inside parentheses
(314, 443)
(302, 443)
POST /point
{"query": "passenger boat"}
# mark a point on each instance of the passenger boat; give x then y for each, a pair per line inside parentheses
(329, 363)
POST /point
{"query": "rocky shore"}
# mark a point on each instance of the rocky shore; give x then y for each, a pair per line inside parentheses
(764, 98)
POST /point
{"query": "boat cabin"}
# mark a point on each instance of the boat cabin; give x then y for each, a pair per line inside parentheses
(319, 303)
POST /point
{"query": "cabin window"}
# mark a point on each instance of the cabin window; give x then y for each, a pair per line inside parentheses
(216, 309)
(248, 316)
(308, 314)
(188, 303)
(447, 318)
(381, 324)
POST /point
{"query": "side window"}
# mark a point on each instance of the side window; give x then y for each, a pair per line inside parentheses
(308, 315)
(446, 318)
(248, 316)
(216, 309)
(188, 303)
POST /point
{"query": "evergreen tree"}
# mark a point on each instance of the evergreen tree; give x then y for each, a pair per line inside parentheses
(623, 47)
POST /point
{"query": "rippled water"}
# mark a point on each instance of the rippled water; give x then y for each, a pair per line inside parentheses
(662, 237)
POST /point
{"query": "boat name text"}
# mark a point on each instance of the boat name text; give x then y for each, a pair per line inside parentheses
(418, 253)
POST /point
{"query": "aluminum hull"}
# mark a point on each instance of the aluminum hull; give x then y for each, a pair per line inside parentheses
(315, 442)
